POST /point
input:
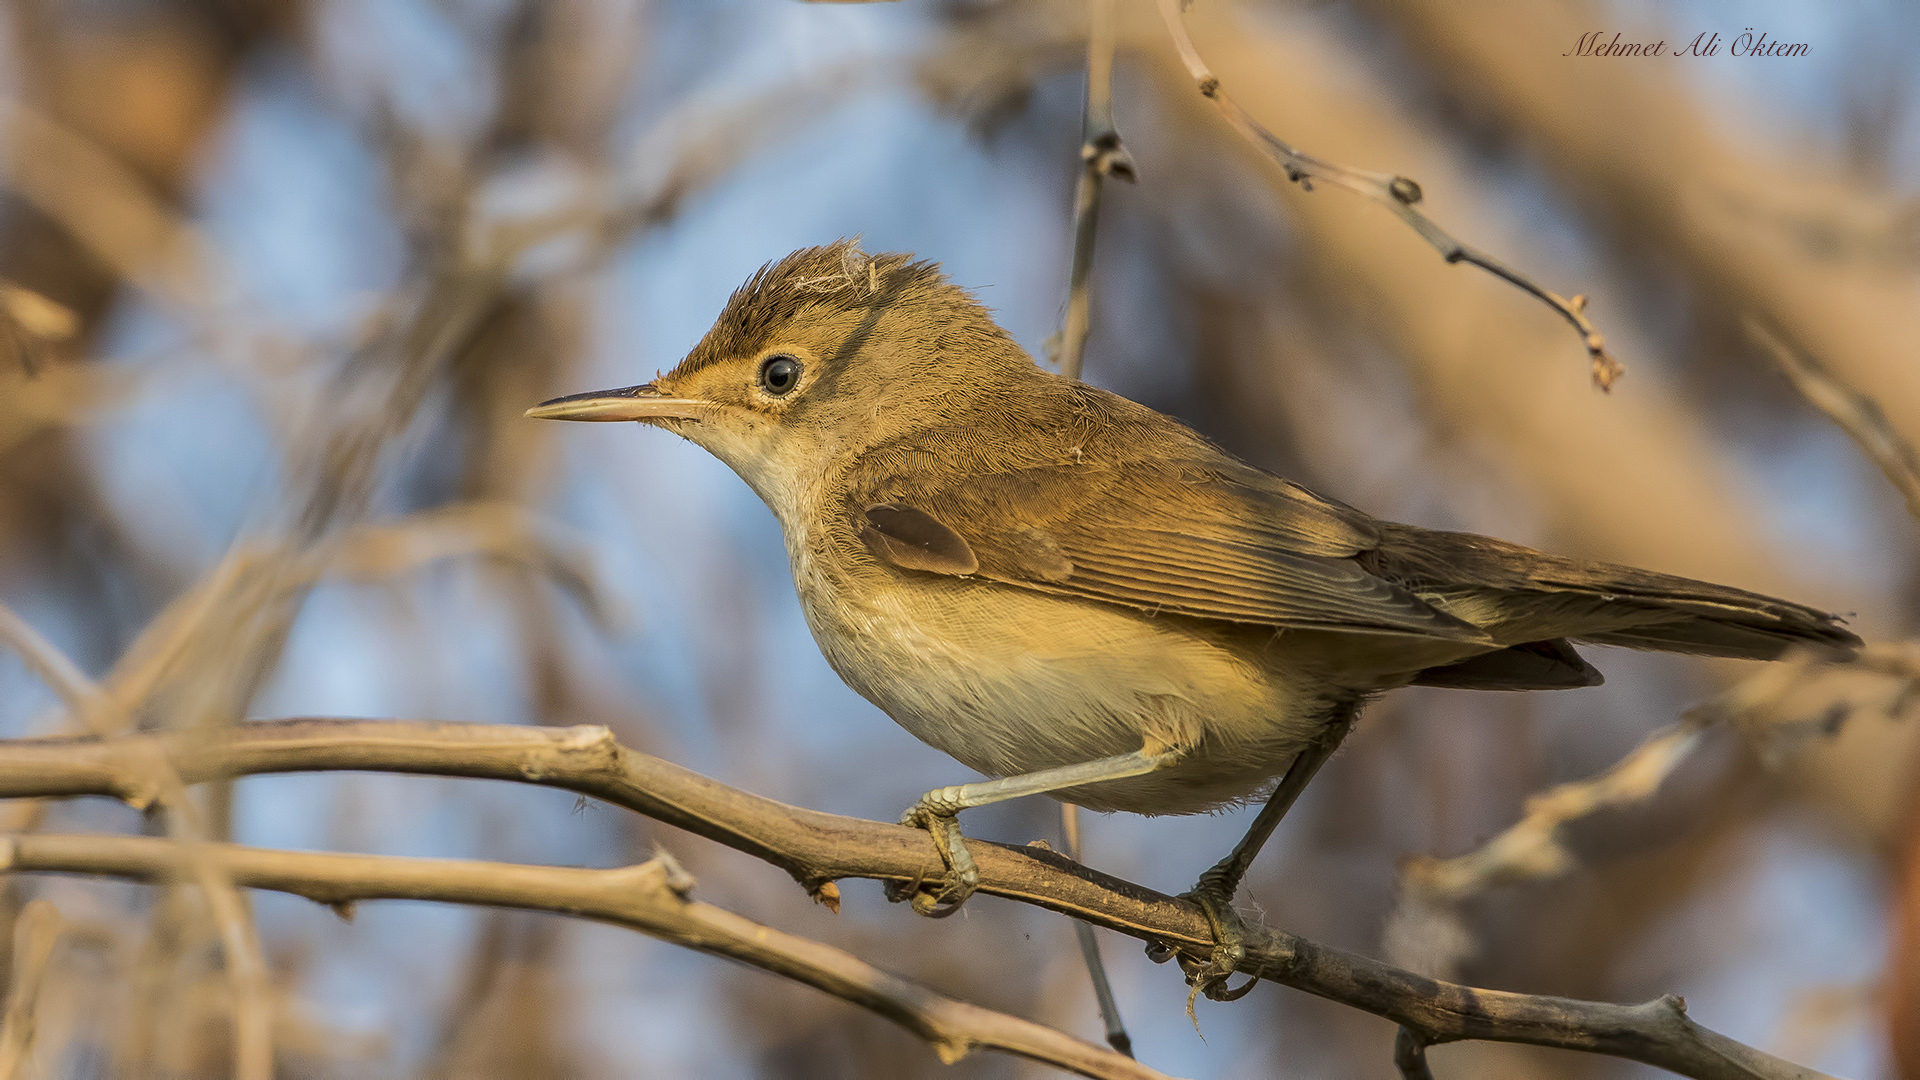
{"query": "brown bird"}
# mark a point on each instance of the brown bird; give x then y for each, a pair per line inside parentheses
(1084, 597)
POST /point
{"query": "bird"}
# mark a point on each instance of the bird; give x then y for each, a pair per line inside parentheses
(1077, 595)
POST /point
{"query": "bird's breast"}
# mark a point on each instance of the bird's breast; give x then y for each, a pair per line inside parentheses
(1009, 680)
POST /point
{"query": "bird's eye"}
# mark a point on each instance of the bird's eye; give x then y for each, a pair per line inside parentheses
(779, 375)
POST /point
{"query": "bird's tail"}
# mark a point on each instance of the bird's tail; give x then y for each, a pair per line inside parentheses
(1537, 601)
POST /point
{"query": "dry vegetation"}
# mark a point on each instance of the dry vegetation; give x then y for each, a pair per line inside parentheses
(400, 535)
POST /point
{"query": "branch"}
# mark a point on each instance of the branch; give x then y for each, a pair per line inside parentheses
(161, 783)
(35, 933)
(1857, 414)
(1410, 1056)
(1101, 154)
(109, 208)
(1423, 931)
(1396, 193)
(651, 898)
(1117, 1036)
(1531, 848)
(817, 848)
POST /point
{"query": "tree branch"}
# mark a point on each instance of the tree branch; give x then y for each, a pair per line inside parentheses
(1857, 414)
(1396, 193)
(35, 933)
(161, 783)
(651, 898)
(1771, 712)
(1101, 154)
(817, 848)
(1410, 1056)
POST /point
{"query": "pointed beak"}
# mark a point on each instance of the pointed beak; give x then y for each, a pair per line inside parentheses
(644, 402)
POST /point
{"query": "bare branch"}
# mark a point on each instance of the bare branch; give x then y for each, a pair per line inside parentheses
(817, 848)
(1396, 193)
(651, 898)
(159, 782)
(104, 204)
(1101, 154)
(1773, 710)
(60, 674)
(1530, 849)
(35, 933)
(1857, 414)
(1117, 1036)
(500, 530)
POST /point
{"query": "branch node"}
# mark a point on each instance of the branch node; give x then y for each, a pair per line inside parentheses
(1406, 189)
(673, 875)
(588, 737)
(952, 1049)
(1410, 1054)
(140, 794)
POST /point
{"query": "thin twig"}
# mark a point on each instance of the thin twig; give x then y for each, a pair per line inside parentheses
(817, 848)
(1117, 1036)
(1423, 932)
(1531, 848)
(35, 933)
(1396, 193)
(1857, 414)
(1101, 154)
(57, 672)
(651, 898)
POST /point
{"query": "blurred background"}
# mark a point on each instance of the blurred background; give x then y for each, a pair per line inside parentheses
(279, 277)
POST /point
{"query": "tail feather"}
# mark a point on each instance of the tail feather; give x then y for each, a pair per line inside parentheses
(1536, 596)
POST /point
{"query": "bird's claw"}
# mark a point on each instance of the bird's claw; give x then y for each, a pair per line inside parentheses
(963, 877)
(1209, 976)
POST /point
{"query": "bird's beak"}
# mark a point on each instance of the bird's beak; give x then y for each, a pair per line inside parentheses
(644, 402)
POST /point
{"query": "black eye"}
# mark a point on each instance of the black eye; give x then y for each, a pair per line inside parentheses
(779, 375)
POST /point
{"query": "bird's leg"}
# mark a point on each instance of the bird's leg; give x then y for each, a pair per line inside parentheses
(937, 809)
(1213, 893)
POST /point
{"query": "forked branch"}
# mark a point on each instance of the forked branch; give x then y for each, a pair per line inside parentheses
(652, 898)
(817, 848)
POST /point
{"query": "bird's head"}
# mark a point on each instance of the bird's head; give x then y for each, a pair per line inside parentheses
(820, 355)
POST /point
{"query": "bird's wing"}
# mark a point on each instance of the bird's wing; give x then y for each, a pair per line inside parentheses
(1204, 536)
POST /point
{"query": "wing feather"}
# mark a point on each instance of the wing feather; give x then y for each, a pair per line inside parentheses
(1173, 537)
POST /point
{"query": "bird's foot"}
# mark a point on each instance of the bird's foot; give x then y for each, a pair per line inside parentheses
(1214, 897)
(936, 812)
